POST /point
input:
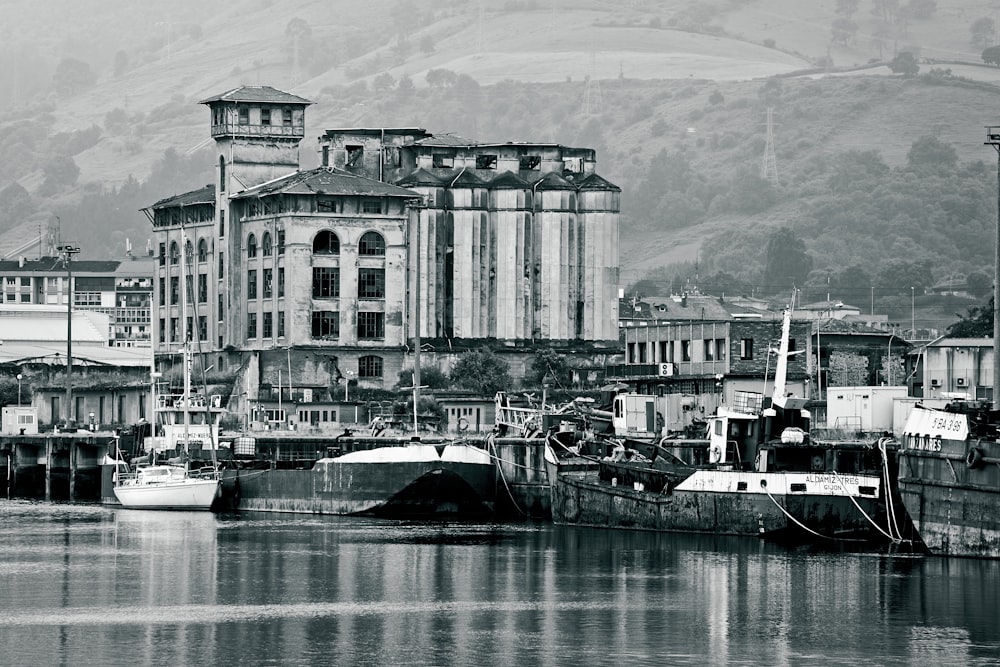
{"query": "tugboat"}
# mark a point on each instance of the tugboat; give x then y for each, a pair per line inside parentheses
(759, 472)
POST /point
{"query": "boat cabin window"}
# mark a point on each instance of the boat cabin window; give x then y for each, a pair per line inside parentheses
(718, 427)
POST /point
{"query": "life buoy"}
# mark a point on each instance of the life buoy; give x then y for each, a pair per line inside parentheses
(715, 454)
(463, 424)
(974, 459)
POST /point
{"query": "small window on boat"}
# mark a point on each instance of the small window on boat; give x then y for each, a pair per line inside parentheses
(741, 486)
(867, 490)
(718, 427)
(797, 488)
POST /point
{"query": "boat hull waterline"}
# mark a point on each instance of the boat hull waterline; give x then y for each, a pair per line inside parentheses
(411, 480)
(712, 502)
(187, 494)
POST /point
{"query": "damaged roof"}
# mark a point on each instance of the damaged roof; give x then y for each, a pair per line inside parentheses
(594, 182)
(205, 195)
(326, 180)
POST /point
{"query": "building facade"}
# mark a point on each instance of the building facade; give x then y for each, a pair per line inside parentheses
(305, 279)
(122, 290)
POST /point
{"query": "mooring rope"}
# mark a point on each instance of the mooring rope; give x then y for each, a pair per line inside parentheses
(492, 445)
(786, 513)
(888, 490)
(863, 513)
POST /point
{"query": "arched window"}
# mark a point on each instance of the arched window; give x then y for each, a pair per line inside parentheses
(265, 244)
(371, 244)
(251, 246)
(370, 367)
(327, 243)
(202, 251)
(175, 252)
(222, 174)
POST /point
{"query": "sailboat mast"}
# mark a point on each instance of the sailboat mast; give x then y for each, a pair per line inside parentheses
(186, 398)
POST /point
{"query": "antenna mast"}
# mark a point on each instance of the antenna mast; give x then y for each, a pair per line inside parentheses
(993, 139)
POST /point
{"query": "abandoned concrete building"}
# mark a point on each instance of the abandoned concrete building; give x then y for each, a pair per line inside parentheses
(332, 273)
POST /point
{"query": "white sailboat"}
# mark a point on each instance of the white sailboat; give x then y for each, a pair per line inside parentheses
(172, 485)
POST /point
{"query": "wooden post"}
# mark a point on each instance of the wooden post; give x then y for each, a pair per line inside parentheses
(73, 448)
(48, 469)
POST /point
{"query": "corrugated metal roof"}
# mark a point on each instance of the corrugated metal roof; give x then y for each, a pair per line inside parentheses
(256, 94)
(594, 182)
(205, 195)
(466, 178)
(326, 180)
(962, 342)
(508, 179)
(55, 354)
(452, 140)
(553, 181)
(420, 177)
(42, 324)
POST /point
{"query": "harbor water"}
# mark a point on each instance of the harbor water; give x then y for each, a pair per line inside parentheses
(92, 585)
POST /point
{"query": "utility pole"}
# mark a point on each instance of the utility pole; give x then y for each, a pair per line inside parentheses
(993, 139)
(66, 252)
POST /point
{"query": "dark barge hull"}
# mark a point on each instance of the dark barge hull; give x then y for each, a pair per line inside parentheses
(581, 498)
(955, 510)
(951, 485)
(412, 481)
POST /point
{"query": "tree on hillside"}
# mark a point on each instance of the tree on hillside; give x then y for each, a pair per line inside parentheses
(905, 63)
(896, 276)
(977, 323)
(930, 153)
(853, 169)
(440, 78)
(983, 31)
(482, 372)
(59, 174)
(786, 262)
(15, 203)
(73, 76)
(383, 82)
(991, 55)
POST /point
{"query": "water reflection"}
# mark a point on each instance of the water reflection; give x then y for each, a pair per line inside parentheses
(91, 585)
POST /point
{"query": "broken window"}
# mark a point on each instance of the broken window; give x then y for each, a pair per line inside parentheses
(326, 243)
(355, 155)
(373, 206)
(252, 284)
(573, 164)
(268, 283)
(530, 162)
(486, 162)
(251, 325)
(326, 205)
(442, 161)
(251, 246)
(390, 156)
(326, 324)
(265, 244)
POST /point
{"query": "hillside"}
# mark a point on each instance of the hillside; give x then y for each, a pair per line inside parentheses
(672, 94)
